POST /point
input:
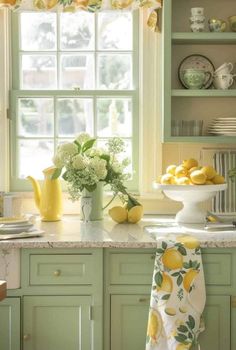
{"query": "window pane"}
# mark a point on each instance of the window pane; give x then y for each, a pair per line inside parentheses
(77, 71)
(114, 117)
(38, 72)
(77, 31)
(115, 31)
(75, 115)
(38, 31)
(114, 71)
(34, 156)
(35, 117)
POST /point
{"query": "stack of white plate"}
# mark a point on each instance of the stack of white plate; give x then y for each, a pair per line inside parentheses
(223, 126)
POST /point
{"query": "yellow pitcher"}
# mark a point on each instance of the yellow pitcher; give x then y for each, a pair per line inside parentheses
(49, 200)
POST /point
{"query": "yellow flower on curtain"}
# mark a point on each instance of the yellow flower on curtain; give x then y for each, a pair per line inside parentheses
(154, 6)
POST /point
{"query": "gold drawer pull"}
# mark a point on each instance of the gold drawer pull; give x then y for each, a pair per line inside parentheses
(26, 336)
(153, 256)
(142, 300)
(233, 301)
(57, 273)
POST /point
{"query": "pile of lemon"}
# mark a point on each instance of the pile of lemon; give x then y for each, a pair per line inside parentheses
(122, 214)
(190, 173)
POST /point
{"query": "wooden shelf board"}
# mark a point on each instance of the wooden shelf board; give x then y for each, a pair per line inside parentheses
(201, 139)
(204, 38)
(203, 93)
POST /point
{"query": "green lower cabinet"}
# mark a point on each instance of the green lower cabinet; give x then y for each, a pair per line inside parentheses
(129, 316)
(57, 323)
(10, 324)
(217, 322)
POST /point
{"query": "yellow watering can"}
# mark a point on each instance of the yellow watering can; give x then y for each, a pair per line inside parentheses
(49, 200)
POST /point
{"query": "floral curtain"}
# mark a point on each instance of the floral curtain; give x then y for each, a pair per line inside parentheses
(154, 6)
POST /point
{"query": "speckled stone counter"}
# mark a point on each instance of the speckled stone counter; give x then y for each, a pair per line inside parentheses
(70, 232)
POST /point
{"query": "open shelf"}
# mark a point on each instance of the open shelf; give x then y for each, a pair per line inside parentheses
(203, 93)
(202, 139)
(204, 38)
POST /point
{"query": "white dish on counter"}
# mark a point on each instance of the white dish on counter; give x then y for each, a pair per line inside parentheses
(190, 196)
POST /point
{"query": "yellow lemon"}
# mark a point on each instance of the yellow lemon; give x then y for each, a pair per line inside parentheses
(183, 181)
(166, 179)
(154, 327)
(190, 163)
(167, 284)
(198, 178)
(209, 182)
(181, 171)
(183, 347)
(194, 168)
(171, 169)
(173, 180)
(209, 171)
(118, 214)
(218, 179)
(135, 214)
(189, 277)
(188, 241)
(172, 259)
(183, 309)
(170, 311)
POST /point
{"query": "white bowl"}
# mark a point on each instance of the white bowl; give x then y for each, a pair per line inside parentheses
(190, 196)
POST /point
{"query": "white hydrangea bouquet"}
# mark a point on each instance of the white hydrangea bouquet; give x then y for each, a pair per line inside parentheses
(83, 166)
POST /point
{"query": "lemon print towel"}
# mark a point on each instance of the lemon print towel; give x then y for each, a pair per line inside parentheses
(178, 295)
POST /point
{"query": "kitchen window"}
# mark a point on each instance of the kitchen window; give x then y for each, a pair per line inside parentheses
(72, 73)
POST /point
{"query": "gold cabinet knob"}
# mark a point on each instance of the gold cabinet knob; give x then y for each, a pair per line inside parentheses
(144, 300)
(26, 336)
(57, 273)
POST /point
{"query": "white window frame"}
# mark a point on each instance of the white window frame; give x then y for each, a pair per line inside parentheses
(150, 147)
(18, 92)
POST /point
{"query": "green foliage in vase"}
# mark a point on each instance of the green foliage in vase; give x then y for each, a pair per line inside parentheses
(83, 165)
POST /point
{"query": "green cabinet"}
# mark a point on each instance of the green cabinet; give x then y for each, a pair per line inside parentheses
(129, 316)
(98, 299)
(128, 281)
(10, 324)
(57, 323)
(217, 322)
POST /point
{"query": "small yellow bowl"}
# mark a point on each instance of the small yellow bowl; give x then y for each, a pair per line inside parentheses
(232, 22)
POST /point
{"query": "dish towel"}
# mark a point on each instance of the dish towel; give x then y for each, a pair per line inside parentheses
(178, 295)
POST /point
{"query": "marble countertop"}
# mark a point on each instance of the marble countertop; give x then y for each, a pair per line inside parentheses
(70, 232)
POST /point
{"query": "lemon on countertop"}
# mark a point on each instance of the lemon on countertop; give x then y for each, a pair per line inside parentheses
(135, 214)
(118, 214)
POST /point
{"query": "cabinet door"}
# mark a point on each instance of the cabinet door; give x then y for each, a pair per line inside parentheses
(10, 324)
(129, 316)
(217, 322)
(57, 323)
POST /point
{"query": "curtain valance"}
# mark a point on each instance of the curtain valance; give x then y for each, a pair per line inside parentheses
(154, 6)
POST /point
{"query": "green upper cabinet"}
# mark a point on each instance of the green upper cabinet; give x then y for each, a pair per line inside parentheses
(184, 109)
(10, 324)
(57, 323)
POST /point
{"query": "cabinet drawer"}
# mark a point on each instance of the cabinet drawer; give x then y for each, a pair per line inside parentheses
(131, 268)
(137, 268)
(217, 269)
(58, 269)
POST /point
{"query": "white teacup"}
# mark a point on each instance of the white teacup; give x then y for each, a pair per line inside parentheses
(225, 68)
(223, 81)
(196, 11)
